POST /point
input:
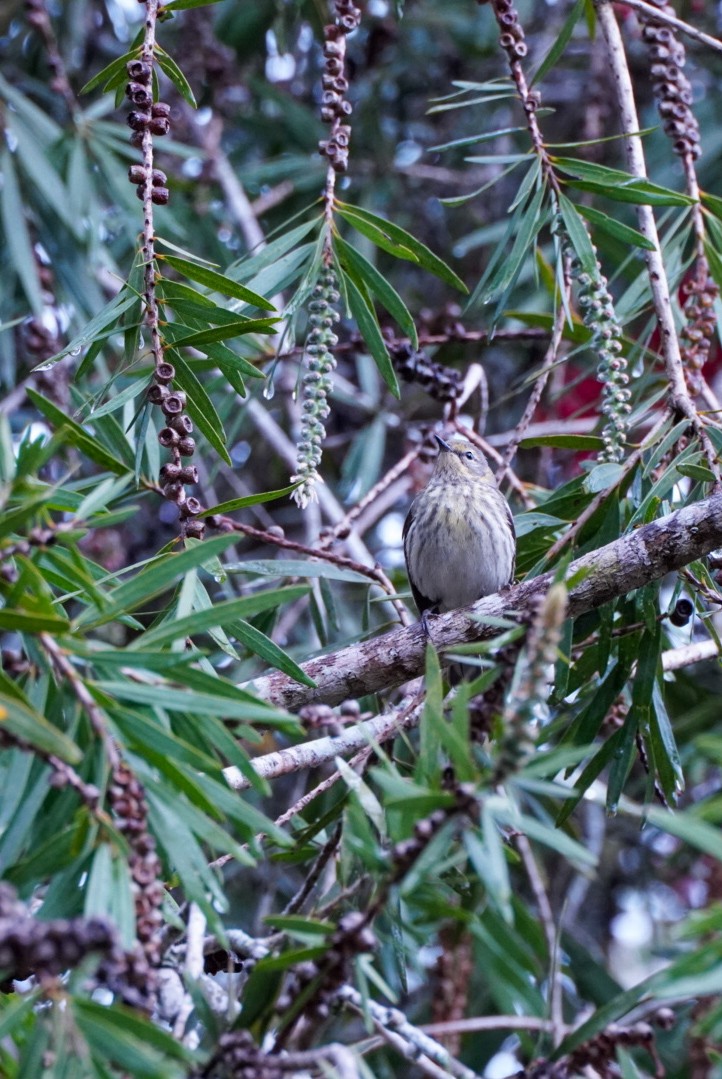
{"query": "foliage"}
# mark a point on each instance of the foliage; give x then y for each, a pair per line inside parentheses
(477, 244)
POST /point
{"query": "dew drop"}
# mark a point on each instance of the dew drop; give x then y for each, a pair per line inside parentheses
(269, 390)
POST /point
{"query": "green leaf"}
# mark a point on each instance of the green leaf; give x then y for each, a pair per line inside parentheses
(27, 725)
(200, 408)
(216, 281)
(28, 622)
(77, 436)
(176, 76)
(353, 260)
(618, 185)
(130, 1040)
(578, 236)
(373, 338)
(156, 578)
(563, 442)
(267, 649)
(398, 242)
(249, 500)
(603, 476)
(561, 41)
(226, 333)
(182, 5)
(219, 615)
(110, 74)
(17, 237)
(528, 225)
(100, 326)
(297, 567)
(615, 228)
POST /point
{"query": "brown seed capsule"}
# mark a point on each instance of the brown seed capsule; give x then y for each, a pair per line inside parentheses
(168, 437)
(159, 126)
(138, 120)
(174, 403)
(195, 529)
(136, 174)
(170, 472)
(138, 70)
(160, 195)
(161, 108)
(159, 178)
(164, 372)
(214, 520)
(187, 447)
(192, 507)
(136, 139)
(189, 474)
(175, 492)
(182, 424)
(139, 94)
(157, 393)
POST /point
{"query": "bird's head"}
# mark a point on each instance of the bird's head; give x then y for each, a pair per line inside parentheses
(460, 458)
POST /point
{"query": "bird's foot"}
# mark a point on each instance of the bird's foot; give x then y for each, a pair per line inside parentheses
(425, 621)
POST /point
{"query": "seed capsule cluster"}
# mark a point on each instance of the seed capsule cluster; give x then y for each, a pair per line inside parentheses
(700, 323)
(335, 107)
(598, 314)
(512, 34)
(127, 801)
(671, 86)
(440, 382)
(317, 382)
(146, 115)
(46, 949)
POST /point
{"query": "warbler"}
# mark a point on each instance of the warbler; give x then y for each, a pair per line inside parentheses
(459, 538)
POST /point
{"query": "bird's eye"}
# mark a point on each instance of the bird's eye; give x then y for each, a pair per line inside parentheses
(469, 455)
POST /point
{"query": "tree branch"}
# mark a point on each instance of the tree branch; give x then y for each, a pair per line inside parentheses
(389, 660)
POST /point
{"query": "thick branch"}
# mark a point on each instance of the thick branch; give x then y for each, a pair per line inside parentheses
(387, 661)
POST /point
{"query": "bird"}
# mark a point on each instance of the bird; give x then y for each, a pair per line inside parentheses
(459, 538)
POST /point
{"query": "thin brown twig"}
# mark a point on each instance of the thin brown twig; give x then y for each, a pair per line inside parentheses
(342, 529)
(671, 20)
(374, 573)
(546, 916)
(152, 313)
(92, 709)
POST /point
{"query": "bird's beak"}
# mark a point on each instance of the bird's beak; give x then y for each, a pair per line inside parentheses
(443, 445)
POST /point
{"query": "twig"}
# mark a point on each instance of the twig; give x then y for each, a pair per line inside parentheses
(392, 1021)
(489, 1022)
(678, 392)
(92, 709)
(322, 750)
(672, 20)
(152, 314)
(296, 902)
(342, 529)
(374, 573)
(687, 654)
(550, 932)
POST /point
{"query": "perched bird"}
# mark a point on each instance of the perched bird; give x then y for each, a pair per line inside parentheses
(459, 539)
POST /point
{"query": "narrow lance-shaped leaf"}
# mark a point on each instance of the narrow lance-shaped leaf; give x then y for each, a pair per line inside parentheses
(217, 281)
(371, 333)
